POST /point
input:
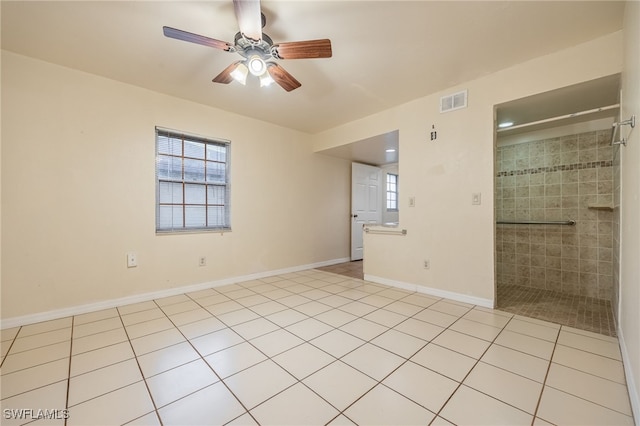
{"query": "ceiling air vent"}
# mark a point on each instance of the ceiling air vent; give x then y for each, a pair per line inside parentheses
(453, 101)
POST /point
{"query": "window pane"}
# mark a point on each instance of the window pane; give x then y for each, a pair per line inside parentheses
(194, 194)
(169, 167)
(216, 172)
(216, 153)
(194, 149)
(169, 145)
(215, 194)
(195, 217)
(193, 170)
(216, 216)
(170, 217)
(170, 193)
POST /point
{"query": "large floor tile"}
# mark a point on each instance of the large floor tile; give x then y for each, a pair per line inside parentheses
(364, 329)
(517, 362)
(561, 408)
(202, 327)
(213, 405)
(591, 363)
(95, 316)
(37, 356)
(339, 384)
(598, 346)
(99, 340)
(493, 318)
(544, 331)
(337, 343)
(21, 344)
(383, 406)
(160, 340)
(167, 358)
(51, 396)
(374, 361)
(399, 343)
(117, 407)
(276, 342)
(505, 386)
(216, 341)
(421, 385)
(104, 380)
(476, 329)
(527, 344)
(473, 408)
(592, 388)
(445, 361)
(335, 317)
(234, 359)
(45, 326)
(92, 360)
(303, 360)
(258, 383)
(35, 377)
(294, 406)
(255, 328)
(438, 318)
(309, 328)
(179, 382)
(420, 329)
(462, 343)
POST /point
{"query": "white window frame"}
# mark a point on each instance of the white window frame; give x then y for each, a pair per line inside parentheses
(392, 192)
(192, 183)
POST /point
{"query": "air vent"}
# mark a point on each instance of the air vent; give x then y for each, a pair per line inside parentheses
(453, 101)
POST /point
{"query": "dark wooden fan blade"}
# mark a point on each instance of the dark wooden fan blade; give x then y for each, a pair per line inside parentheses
(282, 77)
(225, 76)
(196, 38)
(304, 49)
(249, 18)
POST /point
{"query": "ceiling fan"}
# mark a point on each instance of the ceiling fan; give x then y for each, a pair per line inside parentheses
(257, 48)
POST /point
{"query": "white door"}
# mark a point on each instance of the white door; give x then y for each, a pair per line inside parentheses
(366, 204)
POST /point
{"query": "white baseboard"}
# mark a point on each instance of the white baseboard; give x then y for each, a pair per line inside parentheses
(465, 298)
(136, 298)
(632, 386)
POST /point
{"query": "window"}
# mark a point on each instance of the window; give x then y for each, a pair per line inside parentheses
(392, 192)
(192, 183)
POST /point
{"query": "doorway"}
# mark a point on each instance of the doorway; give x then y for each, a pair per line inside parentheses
(554, 197)
(382, 153)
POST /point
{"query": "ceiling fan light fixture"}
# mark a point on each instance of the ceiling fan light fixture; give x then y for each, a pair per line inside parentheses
(266, 80)
(257, 66)
(240, 74)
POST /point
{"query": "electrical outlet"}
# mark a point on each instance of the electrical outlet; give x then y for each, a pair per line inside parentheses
(202, 261)
(412, 201)
(427, 264)
(132, 259)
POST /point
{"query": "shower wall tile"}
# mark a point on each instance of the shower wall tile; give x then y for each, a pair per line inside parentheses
(558, 179)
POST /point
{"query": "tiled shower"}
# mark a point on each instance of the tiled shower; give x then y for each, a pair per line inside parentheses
(557, 179)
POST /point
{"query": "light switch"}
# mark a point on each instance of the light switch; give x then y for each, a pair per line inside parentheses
(476, 198)
(412, 201)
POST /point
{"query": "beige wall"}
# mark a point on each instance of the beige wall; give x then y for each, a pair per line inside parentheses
(78, 193)
(444, 227)
(629, 315)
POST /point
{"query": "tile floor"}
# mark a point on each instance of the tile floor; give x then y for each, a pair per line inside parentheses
(585, 313)
(314, 348)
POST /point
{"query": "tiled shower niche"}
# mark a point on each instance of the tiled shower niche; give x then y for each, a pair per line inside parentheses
(564, 178)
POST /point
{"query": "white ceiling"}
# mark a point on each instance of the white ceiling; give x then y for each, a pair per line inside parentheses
(385, 53)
